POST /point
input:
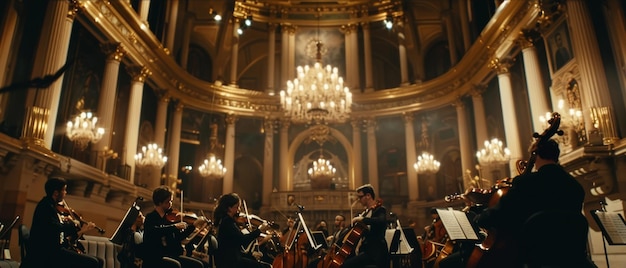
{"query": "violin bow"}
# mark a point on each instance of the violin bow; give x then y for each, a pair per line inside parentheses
(245, 207)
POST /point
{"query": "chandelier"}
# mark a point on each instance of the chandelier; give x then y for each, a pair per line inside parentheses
(322, 169)
(493, 153)
(150, 156)
(212, 168)
(317, 94)
(82, 130)
(426, 164)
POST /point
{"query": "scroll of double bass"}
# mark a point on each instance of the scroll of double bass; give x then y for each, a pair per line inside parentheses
(502, 242)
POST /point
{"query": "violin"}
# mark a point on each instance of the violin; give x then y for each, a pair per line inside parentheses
(67, 214)
(175, 216)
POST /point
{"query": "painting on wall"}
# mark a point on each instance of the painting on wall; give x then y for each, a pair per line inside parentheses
(559, 47)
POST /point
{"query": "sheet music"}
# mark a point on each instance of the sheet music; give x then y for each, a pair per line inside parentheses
(613, 225)
(457, 225)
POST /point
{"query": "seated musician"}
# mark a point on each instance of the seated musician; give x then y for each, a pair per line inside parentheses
(230, 238)
(163, 238)
(340, 231)
(131, 254)
(53, 239)
(373, 248)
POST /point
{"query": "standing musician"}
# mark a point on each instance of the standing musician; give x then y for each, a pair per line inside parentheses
(230, 239)
(47, 244)
(373, 248)
(163, 237)
(550, 188)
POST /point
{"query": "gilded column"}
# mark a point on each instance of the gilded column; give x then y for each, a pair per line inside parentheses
(184, 49)
(447, 20)
(367, 57)
(479, 114)
(161, 119)
(357, 173)
(171, 25)
(372, 154)
(8, 30)
(411, 158)
(268, 161)
(465, 23)
(404, 70)
(352, 57)
(144, 10)
(42, 104)
(537, 94)
(106, 102)
(234, 55)
(284, 181)
(511, 130)
(617, 32)
(593, 85)
(173, 153)
(464, 139)
(291, 48)
(139, 75)
(229, 154)
(271, 58)
(284, 56)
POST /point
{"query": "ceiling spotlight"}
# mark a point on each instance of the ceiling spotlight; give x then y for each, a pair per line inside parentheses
(239, 31)
(248, 21)
(214, 15)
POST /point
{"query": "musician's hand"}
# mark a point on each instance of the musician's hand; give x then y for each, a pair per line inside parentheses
(264, 227)
(200, 222)
(357, 219)
(86, 228)
(330, 238)
(181, 225)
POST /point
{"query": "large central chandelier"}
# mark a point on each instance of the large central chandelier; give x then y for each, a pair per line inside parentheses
(494, 153)
(426, 164)
(317, 94)
(82, 130)
(212, 168)
(150, 156)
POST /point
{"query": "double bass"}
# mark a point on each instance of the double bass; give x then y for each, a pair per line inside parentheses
(498, 247)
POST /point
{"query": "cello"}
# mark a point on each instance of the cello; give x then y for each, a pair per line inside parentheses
(498, 247)
(336, 256)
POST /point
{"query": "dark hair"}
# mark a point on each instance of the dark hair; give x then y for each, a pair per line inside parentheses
(225, 201)
(54, 184)
(161, 194)
(549, 150)
(343, 218)
(367, 189)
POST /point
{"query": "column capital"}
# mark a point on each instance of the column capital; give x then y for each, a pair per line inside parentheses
(271, 27)
(285, 123)
(477, 90)
(113, 51)
(365, 25)
(408, 117)
(527, 38)
(269, 124)
(288, 28)
(458, 103)
(138, 73)
(370, 122)
(348, 29)
(356, 123)
(501, 65)
(230, 119)
(178, 105)
(74, 7)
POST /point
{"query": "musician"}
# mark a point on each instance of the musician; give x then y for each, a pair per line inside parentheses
(131, 255)
(340, 231)
(550, 188)
(323, 227)
(373, 248)
(230, 239)
(162, 238)
(48, 243)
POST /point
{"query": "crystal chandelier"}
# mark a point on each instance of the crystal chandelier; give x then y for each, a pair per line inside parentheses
(493, 153)
(322, 169)
(150, 156)
(426, 164)
(212, 168)
(317, 94)
(82, 130)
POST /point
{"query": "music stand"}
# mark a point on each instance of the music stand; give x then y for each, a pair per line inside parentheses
(127, 221)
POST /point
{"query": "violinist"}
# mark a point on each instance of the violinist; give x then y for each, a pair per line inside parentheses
(163, 235)
(372, 249)
(132, 253)
(50, 230)
(230, 238)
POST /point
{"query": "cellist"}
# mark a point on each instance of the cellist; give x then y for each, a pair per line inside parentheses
(372, 249)
(551, 187)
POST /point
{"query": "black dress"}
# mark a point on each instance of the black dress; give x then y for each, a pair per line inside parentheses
(230, 240)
